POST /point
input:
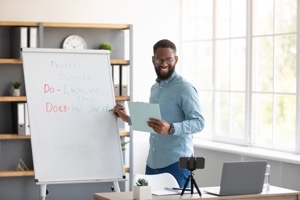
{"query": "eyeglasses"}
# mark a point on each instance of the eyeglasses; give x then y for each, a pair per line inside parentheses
(168, 61)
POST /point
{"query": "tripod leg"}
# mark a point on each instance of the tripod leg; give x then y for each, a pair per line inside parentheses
(192, 185)
(196, 186)
(185, 185)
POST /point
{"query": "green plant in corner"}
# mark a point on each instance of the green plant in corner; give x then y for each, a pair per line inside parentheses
(141, 182)
(105, 46)
(16, 84)
(123, 144)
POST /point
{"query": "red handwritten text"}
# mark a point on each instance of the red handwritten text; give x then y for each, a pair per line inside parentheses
(47, 88)
(56, 108)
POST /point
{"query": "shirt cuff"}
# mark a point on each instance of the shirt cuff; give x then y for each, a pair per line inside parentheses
(129, 121)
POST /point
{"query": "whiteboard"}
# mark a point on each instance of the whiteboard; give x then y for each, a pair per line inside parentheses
(74, 136)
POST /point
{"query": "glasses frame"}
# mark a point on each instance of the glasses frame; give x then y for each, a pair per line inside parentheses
(169, 61)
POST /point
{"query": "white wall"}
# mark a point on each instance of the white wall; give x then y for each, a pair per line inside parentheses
(152, 20)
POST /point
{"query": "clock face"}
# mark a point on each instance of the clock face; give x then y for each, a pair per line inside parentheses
(74, 42)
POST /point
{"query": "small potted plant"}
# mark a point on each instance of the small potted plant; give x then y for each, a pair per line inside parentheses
(16, 88)
(105, 46)
(142, 190)
(123, 145)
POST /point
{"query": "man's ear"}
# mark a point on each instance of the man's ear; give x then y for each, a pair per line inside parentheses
(153, 58)
(176, 59)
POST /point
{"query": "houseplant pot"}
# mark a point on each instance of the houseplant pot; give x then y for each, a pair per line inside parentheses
(141, 191)
(16, 88)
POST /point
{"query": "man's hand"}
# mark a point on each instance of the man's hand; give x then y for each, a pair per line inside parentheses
(120, 111)
(159, 126)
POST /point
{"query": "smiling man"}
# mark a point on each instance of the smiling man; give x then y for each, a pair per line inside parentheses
(181, 115)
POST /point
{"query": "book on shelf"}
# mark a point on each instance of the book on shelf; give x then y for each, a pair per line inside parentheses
(124, 80)
(116, 79)
(19, 39)
(27, 126)
(20, 119)
(33, 37)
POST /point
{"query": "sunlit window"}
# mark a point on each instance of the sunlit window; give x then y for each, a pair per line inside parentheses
(242, 57)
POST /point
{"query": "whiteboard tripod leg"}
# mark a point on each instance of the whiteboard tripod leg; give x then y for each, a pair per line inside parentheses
(43, 191)
(116, 186)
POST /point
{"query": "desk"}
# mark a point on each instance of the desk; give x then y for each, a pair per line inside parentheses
(275, 193)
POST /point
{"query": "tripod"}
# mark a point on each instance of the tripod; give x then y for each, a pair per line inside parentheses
(193, 182)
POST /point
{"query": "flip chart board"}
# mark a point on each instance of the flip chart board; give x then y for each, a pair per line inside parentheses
(74, 136)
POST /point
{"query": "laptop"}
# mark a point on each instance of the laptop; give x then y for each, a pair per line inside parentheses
(239, 178)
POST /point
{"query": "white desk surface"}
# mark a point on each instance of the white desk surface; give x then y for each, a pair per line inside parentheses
(275, 193)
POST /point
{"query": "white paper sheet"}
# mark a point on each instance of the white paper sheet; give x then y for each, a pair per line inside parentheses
(171, 191)
(163, 192)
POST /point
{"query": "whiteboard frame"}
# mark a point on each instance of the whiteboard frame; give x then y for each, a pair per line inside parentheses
(87, 51)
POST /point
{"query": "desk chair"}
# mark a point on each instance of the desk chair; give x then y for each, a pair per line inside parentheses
(158, 181)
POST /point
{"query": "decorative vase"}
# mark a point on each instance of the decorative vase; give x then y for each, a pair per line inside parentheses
(16, 92)
(141, 192)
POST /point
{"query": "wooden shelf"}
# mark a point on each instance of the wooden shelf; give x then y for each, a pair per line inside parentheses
(14, 61)
(13, 23)
(16, 173)
(122, 98)
(66, 25)
(124, 133)
(10, 61)
(119, 62)
(10, 136)
(31, 173)
(12, 99)
(23, 98)
(86, 25)
(126, 169)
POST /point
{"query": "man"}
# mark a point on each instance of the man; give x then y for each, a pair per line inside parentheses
(180, 111)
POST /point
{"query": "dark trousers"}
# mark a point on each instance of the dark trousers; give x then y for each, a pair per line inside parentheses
(180, 175)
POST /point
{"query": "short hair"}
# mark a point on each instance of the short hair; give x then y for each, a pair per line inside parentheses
(164, 44)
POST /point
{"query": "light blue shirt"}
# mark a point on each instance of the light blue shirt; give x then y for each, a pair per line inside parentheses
(179, 104)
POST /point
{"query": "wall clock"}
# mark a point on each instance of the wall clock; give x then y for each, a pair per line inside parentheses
(74, 42)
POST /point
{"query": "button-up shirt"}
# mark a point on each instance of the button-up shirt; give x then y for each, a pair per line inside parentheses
(179, 105)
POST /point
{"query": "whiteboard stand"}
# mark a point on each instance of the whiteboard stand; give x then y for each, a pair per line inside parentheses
(116, 186)
(43, 191)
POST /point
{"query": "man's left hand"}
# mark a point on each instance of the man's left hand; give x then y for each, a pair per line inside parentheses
(159, 126)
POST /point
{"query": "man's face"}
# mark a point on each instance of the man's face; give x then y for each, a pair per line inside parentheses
(164, 61)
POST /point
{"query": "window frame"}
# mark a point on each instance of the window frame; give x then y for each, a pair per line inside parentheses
(248, 135)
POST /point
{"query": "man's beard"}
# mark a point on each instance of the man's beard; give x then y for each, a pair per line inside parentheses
(164, 77)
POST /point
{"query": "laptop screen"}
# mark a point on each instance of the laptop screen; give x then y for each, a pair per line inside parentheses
(242, 178)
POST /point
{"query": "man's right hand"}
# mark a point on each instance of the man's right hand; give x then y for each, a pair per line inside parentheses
(120, 112)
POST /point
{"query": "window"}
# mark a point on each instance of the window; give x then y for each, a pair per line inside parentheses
(242, 57)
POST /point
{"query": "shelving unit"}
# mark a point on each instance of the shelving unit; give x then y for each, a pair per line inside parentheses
(51, 35)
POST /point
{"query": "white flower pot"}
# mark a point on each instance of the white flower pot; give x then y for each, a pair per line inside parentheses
(141, 192)
(16, 92)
